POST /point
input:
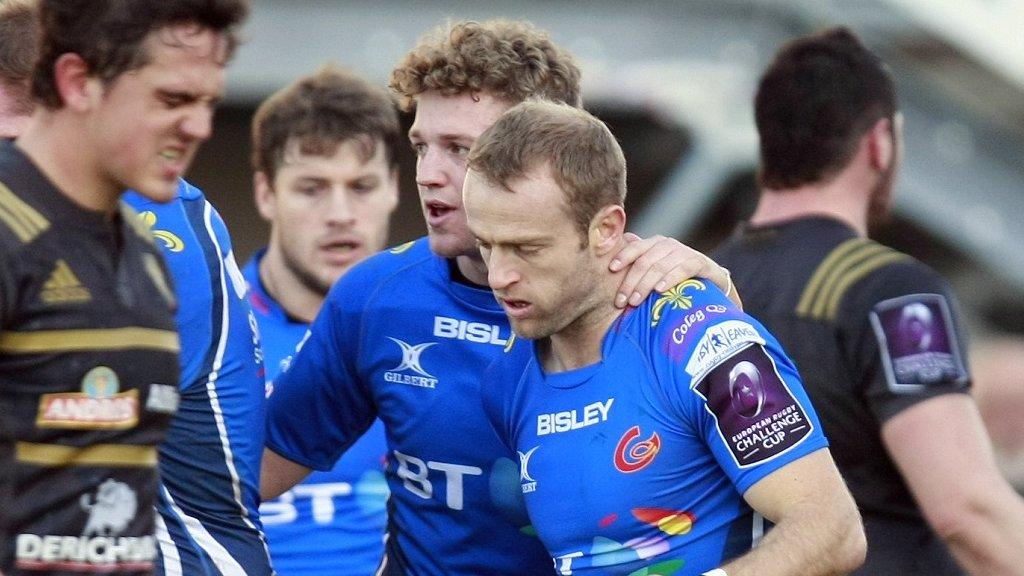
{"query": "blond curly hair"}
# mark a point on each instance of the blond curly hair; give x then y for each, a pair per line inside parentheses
(511, 60)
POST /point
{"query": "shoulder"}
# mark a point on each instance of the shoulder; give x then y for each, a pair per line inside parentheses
(858, 273)
(22, 219)
(504, 375)
(399, 264)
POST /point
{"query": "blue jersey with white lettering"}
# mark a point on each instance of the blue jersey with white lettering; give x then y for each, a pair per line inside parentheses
(333, 522)
(210, 461)
(637, 464)
(398, 339)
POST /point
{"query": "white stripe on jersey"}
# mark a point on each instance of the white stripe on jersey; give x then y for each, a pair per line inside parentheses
(168, 549)
(222, 559)
(211, 386)
(383, 561)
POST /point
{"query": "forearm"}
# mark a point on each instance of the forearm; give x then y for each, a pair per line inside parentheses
(987, 536)
(806, 544)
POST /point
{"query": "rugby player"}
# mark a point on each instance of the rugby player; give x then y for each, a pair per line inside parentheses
(209, 526)
(875, 333)
(405, 335)
(326, 178)
(656, 440)
(126, 91)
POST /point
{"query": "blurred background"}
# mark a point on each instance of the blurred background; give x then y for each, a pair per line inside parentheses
(675, 82)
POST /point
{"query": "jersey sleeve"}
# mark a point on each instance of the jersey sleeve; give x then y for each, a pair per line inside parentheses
(319, 405)
(730, 382)
(904, 334)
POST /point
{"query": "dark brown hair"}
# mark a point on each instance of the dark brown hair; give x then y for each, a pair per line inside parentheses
(819, 96)
(320, 112)
(108, 34)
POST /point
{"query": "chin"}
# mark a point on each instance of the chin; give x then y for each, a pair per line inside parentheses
(162, 192)
(448, 245)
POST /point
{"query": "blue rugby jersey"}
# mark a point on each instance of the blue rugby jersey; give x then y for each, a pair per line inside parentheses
(637, 464)
(209, 463)
(398, 339)
(333, 523)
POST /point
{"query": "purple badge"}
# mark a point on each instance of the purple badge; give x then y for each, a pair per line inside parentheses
(917, 342)
(757, 416)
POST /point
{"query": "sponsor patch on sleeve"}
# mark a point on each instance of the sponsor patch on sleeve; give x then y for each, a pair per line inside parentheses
(917, 342)
(720, 342)
(755, 412)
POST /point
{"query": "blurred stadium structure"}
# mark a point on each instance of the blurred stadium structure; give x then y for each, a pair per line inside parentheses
(675, 81)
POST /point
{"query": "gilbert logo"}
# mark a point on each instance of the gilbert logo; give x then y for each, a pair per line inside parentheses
(99, 406)
(529, 484)
(633, 456)
(63, 286)
(411, 363)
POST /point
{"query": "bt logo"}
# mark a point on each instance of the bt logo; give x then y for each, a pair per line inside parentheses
(282, 510)
(415, 475)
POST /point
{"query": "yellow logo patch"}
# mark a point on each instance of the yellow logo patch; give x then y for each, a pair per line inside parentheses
(675, 297)
(402, 247)
(170, 240)
(63, 286)
(99, 406)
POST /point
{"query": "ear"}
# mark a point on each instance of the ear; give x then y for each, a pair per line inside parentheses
(263, 194)
(881, 145)
(78, 90)
(607, 228)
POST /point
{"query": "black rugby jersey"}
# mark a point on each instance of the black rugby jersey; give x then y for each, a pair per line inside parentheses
(872, 332)
(88, 380)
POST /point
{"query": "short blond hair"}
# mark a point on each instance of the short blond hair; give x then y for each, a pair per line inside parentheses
(585, 159)
(511, 60)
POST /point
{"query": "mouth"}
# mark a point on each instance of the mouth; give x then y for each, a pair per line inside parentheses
(175, 159)
(515, 308)
(437, 211)
(342, 250)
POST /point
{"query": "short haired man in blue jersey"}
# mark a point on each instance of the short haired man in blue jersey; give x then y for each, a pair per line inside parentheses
(406, 335)
(324, 154)
(208, 462)
(650, 440)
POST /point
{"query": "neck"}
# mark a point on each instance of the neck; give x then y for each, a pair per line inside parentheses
(293, 295)
(55, 144)
(579, 343)
(473, 268)
(840, 198)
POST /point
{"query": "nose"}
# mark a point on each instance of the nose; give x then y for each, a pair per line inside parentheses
(198, 124)
(500, 270)
(339, 209)
(430, 170)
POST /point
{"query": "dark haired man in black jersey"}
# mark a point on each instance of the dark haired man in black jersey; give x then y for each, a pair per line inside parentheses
(874, 333)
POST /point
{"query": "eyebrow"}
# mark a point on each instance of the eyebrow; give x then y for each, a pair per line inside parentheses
(415, 134)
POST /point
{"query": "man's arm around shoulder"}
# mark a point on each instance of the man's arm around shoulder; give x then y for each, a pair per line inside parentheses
(817, 530)
(941, 448)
